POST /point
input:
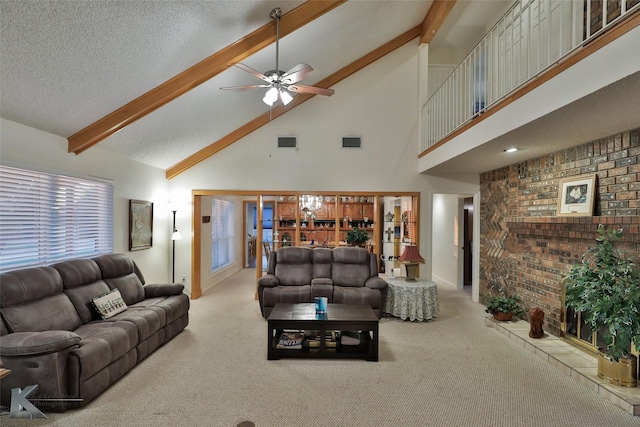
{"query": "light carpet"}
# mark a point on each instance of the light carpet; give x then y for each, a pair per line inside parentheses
(451, 371)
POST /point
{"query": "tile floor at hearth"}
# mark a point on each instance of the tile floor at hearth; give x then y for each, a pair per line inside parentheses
(572, 361)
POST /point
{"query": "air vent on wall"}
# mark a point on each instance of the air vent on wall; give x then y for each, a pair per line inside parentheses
(286, 141)
(351, 142)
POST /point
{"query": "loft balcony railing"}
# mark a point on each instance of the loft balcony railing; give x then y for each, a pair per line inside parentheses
(531, 37)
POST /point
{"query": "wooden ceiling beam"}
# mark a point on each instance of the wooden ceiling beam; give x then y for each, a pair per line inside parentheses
(197, 74)
(434, 19)
(265, 118)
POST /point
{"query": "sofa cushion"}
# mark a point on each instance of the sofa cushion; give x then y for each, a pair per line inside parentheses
(351, 267)
(268, 280)
(30, 343)
(82, 281)
(147, 321)
(362, 296)
(286, 294)
(109, 304)
(81, 298)
(294, 275)
(32, 301)
(293, 255)
(103, 342)
(351, 255)
(321, 259)
(173, 306)
(164, 290)
(21, 286)
(322, 290)
(118, 272)
(293, 266)
(47, 314)
(78, 272)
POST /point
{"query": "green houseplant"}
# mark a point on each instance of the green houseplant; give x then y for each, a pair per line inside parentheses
(503, 308)
(605, 289)
(357, 236)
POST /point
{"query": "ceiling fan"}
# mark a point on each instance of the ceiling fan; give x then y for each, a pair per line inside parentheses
(280, 83)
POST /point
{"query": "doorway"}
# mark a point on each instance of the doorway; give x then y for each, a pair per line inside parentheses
(467, 243)
(453, 242)
(251, 233)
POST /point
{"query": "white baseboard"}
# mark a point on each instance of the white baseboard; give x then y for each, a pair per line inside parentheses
(440, 281)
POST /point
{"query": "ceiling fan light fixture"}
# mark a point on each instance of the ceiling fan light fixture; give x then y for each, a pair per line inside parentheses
(271, 97)
(281, 82)
(285, 97)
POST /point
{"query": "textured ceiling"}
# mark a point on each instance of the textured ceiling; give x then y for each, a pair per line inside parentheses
(66, 64)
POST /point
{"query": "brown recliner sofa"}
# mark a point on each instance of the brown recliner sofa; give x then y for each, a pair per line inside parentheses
(52, 335)
(345, 275)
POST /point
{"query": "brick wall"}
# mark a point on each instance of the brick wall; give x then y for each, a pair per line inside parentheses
(525, 248)
(614, 8)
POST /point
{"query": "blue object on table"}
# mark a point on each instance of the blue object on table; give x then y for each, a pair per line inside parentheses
(321, 304)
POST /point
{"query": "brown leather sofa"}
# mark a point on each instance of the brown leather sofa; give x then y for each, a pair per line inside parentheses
(52, 335)
(345, 275)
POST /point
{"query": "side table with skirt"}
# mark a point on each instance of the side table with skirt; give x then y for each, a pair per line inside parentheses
(416, 300)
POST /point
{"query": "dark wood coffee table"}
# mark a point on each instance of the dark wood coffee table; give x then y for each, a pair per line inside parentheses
(339, 317)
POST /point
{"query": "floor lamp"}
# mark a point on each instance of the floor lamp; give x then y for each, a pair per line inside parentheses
(175, 236)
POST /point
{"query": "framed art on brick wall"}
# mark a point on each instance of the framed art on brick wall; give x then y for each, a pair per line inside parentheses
(140, 225)
(575, 196)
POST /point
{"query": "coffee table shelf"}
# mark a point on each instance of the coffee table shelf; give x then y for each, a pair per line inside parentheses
(339, 317)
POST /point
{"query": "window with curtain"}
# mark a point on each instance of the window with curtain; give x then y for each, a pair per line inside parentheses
(222, 232)
(47, 218)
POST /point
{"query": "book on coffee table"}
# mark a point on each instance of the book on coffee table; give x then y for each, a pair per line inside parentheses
(291, 340)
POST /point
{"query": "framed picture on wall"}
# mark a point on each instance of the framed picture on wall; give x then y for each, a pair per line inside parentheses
(140, 225)
(576, 196)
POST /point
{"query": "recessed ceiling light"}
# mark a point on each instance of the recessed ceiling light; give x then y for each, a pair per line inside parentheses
(511, 150)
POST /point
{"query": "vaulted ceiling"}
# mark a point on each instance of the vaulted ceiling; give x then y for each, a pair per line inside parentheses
(112, 73)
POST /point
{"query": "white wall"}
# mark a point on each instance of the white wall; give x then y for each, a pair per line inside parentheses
(446, 249)
(29, 148)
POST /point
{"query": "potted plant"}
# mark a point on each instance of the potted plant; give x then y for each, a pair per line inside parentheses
(357, 236)
(503, 308)
(605, 288)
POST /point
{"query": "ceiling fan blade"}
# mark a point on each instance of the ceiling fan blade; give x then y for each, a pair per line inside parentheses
(281, 83)
(241, 88)
(310, 89)
(296, 74)
(254, 73)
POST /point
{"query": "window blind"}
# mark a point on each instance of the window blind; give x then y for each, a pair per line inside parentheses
(47, 218)
(222, 233)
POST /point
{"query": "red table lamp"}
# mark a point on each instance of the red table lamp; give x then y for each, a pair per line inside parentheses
(411, 258)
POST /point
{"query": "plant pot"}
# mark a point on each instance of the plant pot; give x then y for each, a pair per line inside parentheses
(623, 373)
(502, 317)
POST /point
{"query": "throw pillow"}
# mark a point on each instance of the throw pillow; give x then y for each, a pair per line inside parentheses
(109, 304)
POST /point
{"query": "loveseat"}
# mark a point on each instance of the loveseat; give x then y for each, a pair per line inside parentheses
(345, 275)
(76, 327)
